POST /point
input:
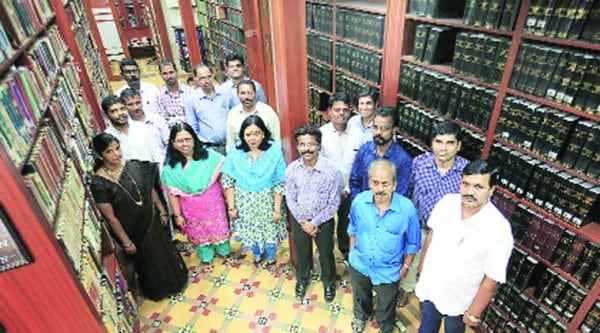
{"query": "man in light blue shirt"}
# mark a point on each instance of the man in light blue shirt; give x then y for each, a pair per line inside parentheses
(384, 236)
(206, 109)
(235, 66)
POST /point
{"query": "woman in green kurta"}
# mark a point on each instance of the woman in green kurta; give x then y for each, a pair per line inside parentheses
(254, 182)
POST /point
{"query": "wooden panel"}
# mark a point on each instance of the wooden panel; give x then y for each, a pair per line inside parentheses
(191, 35)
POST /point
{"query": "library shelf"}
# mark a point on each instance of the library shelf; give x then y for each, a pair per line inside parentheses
(357, 78)
(589, 231)
(319, 33)
(435, 112)
(563, 42)
(414, 140)
(230, 39)
(311, 84)
(540, 304)
(373, 7)
(320, 62)
(507, 317)
(25, 45)
(447, 69)
(552, 267)
(555, 164)
(229, 23)
(457, 23)
(552, 104)
(227, 7)
(358, 44)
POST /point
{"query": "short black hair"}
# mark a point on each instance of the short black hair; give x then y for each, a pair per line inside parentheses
(368, 91)
(447, 127)
(110, 100)
(128, 62)
(338, 97)
(248, 82)
(308, 130)
(387, 111)
(254, 120)
(129, 93)
(233, 57)
(482, 167)
(167, 62)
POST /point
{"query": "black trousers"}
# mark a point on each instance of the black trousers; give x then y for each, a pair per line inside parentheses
(303, 243)
(362, 296)
(342, 226)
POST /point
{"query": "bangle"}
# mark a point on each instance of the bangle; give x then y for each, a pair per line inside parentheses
(178, 216)
(406, 266)
(472, 317)
(164, 214)
(231, 209)
(127, 245)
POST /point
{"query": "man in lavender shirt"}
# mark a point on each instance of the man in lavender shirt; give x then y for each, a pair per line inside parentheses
(434, 174)
(313, 189)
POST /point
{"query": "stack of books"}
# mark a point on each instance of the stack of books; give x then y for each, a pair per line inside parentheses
(480, 55)
(358, 61)
(576, 19)
(361, 27)
(492, 14)
(319, 47)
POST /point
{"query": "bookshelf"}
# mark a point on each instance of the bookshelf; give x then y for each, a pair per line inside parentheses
(498, 112)
(47, 122)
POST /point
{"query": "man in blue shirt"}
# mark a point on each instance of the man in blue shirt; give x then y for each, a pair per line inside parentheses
(382, 146)
(384, 237)
(206, 109)
(235, 67)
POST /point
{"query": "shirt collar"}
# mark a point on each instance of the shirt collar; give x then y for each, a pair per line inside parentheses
(394, 204)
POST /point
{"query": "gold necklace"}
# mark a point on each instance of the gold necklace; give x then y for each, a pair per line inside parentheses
(117, 173)
(114, 175)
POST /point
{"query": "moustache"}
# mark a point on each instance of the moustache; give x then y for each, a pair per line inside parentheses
(469, 197)
(380, 193)
(307, 152)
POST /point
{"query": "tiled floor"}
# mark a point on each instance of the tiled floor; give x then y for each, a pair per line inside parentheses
(242, 298)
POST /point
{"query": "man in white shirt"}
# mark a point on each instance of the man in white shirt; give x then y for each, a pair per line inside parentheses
(137, 141)
(340, 143)
(130, 70)
(249, 106)
(465, 255)
(155, 122)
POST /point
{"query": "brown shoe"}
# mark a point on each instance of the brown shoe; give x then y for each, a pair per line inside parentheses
(403, 298)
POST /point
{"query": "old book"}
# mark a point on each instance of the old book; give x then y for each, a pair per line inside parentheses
(555, 232)
(548, 66)
(587, 87)
(587, 153)
(563, 247)
(576, 142)
(440, 45)
(591, 27)
(469, 13)
(579, 18)
(553, 295)
(421, 36)
(509, 14)
(575, 251)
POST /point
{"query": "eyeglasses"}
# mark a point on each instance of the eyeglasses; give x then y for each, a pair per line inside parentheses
(307, 145)
(184, 140)
(381, 129)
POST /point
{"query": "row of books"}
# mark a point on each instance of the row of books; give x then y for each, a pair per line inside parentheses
(6, 46)
(480, 55)
(525, 311)
(317, 99)
(560, 193)
(591, 323)
(419, 123)
(349, 85)
(437, 8)
(361, 27)
(118, 304)
(558, 294)
(553, 134)
(233, 33)
(358, 61)
(564, 19)
(492, 14)
(495, 321)
(320, 75)
(412, 148)
(237, 4)
(452, 97)
(434, 44)
(319, 18)
(26, 17)
(566, 76)
(235, 17)
(319, 47)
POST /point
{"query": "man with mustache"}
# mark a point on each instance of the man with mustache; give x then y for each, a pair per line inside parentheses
(246, 93)
(130, 70)
(384, 237)
(340, 143)
(206, 109)
(434, 174)
(172, 97)
(136, 140)
(313, 186)
(382, 146)
(465, 254)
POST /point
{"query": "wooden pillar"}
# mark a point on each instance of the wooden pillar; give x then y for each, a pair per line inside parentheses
(393, 41)
(191, 35)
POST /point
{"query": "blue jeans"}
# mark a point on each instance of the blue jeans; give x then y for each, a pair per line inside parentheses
(431, 320)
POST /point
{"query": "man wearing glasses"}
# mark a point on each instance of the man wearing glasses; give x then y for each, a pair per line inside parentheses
(313, 187)
(206, 109)
(382, 146)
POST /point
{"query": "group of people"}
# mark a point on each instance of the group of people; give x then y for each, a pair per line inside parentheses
(404, 225)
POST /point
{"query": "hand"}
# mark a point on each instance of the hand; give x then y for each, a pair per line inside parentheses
(130, 248)
(277, 216)
(232, 213)
(470, 320)
(403, 272)
(180, 221)
(309, 228)
(164, 219)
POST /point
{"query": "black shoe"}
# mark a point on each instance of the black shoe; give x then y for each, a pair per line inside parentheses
(329, 293)
(300, 290)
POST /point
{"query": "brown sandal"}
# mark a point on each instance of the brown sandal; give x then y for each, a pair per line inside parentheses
(403, 298)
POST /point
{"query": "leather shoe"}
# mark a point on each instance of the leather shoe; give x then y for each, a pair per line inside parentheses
(329, 293)
(300, 290)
